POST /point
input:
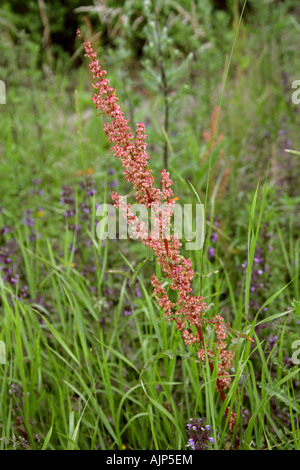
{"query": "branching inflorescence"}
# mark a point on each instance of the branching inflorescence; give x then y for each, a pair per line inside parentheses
(188, 311)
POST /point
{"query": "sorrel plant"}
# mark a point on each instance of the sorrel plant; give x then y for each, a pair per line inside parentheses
(189, 312)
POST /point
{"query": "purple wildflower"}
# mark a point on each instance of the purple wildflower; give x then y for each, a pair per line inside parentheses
(37, 181)
(199, 434)
(137, 293)
(214, 237)
(211, 252)
(27, 219)
(272, 339)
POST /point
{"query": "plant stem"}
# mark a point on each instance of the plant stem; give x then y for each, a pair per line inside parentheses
(165, 91)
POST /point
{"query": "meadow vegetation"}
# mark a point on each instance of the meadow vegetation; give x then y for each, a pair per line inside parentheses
(90, 362)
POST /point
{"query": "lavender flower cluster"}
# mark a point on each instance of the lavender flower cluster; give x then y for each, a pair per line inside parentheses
(8, 267)
(199, 434)
(213, 238)
(258, 281)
